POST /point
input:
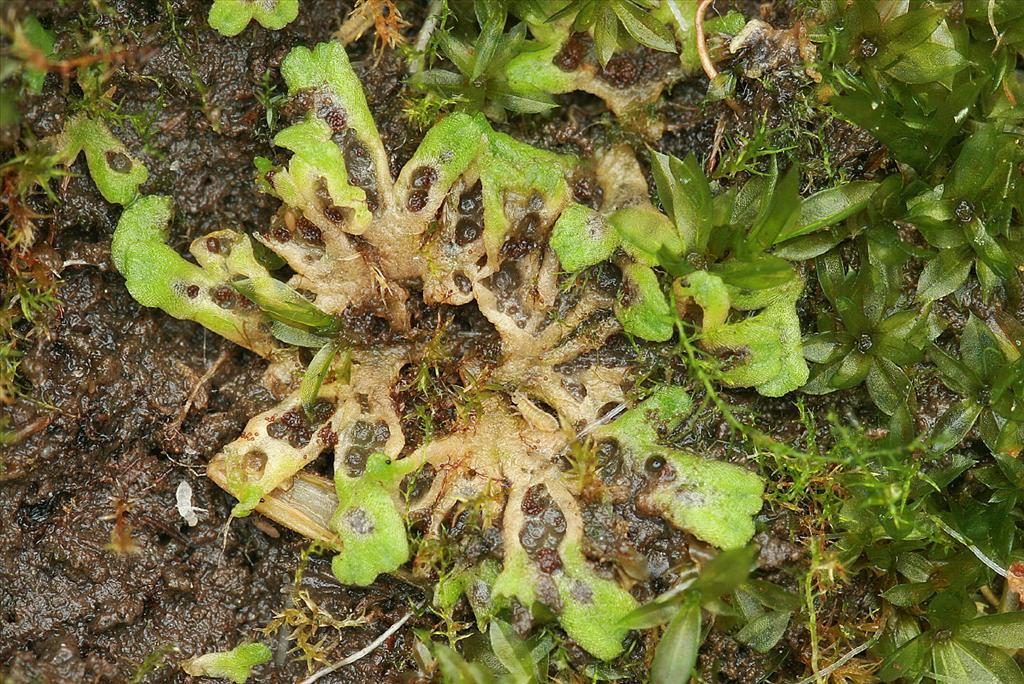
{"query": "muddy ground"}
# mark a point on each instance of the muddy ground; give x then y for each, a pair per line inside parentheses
(100, 579)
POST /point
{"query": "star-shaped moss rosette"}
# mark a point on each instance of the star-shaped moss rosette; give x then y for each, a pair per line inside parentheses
(474, 220)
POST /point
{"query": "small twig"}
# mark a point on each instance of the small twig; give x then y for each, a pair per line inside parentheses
(368, 649)
(990, 596)
(355, 25)
(705, 56)
(995, 567)
(702, 48)
(423, 37)
(195, 390)
(35, 426)
(991, 12)
(716, 143)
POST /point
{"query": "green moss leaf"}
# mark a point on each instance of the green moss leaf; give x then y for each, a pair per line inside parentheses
(830, 206)
(1002, 630)
(944, 274)
(676, 654)
(643, 27)
(966, 661)
(764, 631)
(43, 40)
(686, 196)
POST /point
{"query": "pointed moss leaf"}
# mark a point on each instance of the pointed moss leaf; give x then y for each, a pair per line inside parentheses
(458, 51)
(926, 63)
(455, 669)
(764, 631)
(888, 386)
(953, 425)
(777, 214)
(984, 160)
(582, 237)
(230, 17)
(829, 206)
(43, 41)
(906, 32)
(988, 248)
(1002, 630)
(944, 274)
(643, 27)
(965, 661)
(487, 43)
(656, 612)
(955, 375)
(512, 652)
(906, 143)
(282, 303)
(813, 245)
(1010, 332)
(726, 571)
(979, 349)
(117, 174)
(235, 665)
(910, 594)
(525, 100)
(909, 660)
(314, 376)
(439, 78)
(606, 32)
(296, 336)
(676, 653)
(852, 371)
(686, 196)
(770, 595)
(823, 347)
(758, 272)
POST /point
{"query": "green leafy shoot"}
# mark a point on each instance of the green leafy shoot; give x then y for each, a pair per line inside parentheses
(478, 82)
(317, 370)
(618, 24)
(865, 338)
(235, 665)
(989, 378)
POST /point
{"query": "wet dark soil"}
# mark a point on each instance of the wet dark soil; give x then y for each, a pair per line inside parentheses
(101, 580)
